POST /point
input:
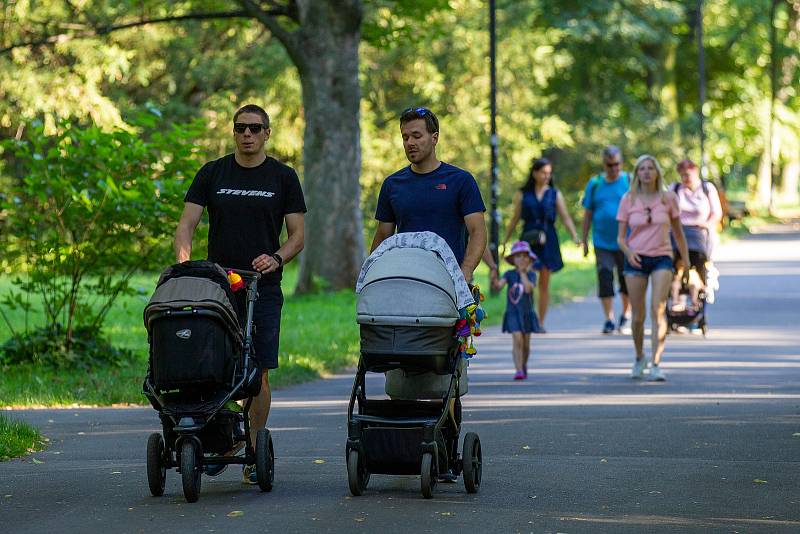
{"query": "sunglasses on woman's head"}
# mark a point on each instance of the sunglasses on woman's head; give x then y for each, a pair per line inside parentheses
(240, 127)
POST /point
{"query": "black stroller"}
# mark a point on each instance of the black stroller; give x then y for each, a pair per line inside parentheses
(199, 365)
(686, 314)
(407, 312)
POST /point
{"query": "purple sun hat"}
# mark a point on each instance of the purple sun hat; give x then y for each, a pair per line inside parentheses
(517, 247)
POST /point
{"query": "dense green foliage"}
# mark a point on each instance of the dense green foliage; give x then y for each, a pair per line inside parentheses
(88, 213)
(572, 77)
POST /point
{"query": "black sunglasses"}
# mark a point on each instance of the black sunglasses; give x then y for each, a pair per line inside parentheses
(649, 213)
(240, 127)
(615, 164)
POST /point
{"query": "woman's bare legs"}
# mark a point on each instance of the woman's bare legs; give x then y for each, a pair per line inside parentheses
(637, 293)
(662, 279)
(543, 287)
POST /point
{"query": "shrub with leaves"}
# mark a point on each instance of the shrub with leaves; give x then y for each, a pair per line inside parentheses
(86, 210)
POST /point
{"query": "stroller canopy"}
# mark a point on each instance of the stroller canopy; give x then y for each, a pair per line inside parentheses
(197, 284)
(407, 287)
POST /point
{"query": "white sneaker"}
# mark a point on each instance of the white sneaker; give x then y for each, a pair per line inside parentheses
(656, 374)
(638, 368)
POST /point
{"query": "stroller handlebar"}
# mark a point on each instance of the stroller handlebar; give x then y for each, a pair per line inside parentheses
(254, 275)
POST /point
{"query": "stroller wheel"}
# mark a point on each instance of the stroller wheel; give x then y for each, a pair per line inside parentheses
(191, 470)
(265, 460)
(156, 464)
(357, 474)
(473, 462)
(428, 478)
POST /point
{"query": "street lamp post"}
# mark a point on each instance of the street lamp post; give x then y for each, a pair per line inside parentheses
(701, 82)
(494, 231)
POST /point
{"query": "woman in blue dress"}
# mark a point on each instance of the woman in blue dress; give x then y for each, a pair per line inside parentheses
(519, 319)
(539, 204)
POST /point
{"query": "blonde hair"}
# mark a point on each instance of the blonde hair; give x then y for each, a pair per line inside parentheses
(636, 185)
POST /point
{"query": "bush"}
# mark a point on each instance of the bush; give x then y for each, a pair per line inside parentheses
(87, 210)
(48, 347)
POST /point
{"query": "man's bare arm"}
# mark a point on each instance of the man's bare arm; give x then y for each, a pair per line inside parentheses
(185, 231)
(477, 243)
(295, 240)
(382, 232)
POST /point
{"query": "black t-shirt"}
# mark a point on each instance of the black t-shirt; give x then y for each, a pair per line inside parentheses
(246, 208)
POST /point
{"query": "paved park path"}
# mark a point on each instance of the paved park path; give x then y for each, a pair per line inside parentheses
(578, 447)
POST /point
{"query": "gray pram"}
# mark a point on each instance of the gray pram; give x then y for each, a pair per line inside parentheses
(407, 314)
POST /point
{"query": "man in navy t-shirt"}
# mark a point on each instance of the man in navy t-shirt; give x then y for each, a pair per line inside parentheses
(430, 195)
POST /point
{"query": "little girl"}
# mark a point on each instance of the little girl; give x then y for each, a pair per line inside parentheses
(520, 319)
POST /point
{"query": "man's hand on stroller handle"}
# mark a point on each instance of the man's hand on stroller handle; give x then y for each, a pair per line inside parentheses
(265, 264)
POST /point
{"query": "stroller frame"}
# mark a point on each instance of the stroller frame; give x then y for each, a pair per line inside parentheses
(404, 437)
(188, 421)
(676, 320)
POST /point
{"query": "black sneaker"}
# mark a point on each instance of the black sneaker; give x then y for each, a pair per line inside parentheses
(608, 328)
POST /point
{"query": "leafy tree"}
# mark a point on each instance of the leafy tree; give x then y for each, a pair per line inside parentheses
(88, 212)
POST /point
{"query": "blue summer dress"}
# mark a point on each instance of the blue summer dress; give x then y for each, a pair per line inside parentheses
(541, 215)
(519, 316)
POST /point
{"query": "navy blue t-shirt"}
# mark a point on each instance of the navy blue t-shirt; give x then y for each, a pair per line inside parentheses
(436, 202)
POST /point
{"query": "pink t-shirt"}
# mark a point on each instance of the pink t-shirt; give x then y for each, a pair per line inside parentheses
(649, 239)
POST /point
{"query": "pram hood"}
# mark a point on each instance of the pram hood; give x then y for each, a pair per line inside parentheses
(199, 284)
(406, 283)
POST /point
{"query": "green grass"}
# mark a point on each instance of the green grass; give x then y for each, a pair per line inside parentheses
(319, 336)
(17, 438)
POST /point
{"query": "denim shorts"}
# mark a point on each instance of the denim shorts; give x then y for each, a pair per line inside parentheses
(649, 265)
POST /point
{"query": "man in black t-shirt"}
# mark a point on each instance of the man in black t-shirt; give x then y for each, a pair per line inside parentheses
(248, 196)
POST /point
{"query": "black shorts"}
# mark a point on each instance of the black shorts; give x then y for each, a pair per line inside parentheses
(266, 324)
(607, 261)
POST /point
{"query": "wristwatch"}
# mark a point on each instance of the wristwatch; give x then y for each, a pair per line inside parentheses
(277, 257)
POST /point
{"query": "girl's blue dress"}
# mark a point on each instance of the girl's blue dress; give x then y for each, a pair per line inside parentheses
(541, 215)
(519, 315)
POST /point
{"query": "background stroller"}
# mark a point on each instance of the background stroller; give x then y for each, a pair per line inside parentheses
(199, 363)
(689, 309)
(407, 311)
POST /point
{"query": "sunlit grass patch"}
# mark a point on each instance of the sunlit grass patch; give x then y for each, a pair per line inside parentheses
(17, 438)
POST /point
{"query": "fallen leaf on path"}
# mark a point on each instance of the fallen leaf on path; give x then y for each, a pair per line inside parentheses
(236, 513)
(37, 461)
(318, 461)
(603, 461)
(526, 447)
(759, 481)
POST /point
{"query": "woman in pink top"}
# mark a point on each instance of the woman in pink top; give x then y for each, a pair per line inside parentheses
(646, 214)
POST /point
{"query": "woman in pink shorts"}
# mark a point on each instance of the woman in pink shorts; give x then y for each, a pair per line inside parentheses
(646, 214)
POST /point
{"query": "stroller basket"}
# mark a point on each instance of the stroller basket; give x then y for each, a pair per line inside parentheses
(195, 339)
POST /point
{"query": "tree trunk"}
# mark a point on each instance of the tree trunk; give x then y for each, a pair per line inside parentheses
(324, 48)
(790, 182)
(334, 245)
